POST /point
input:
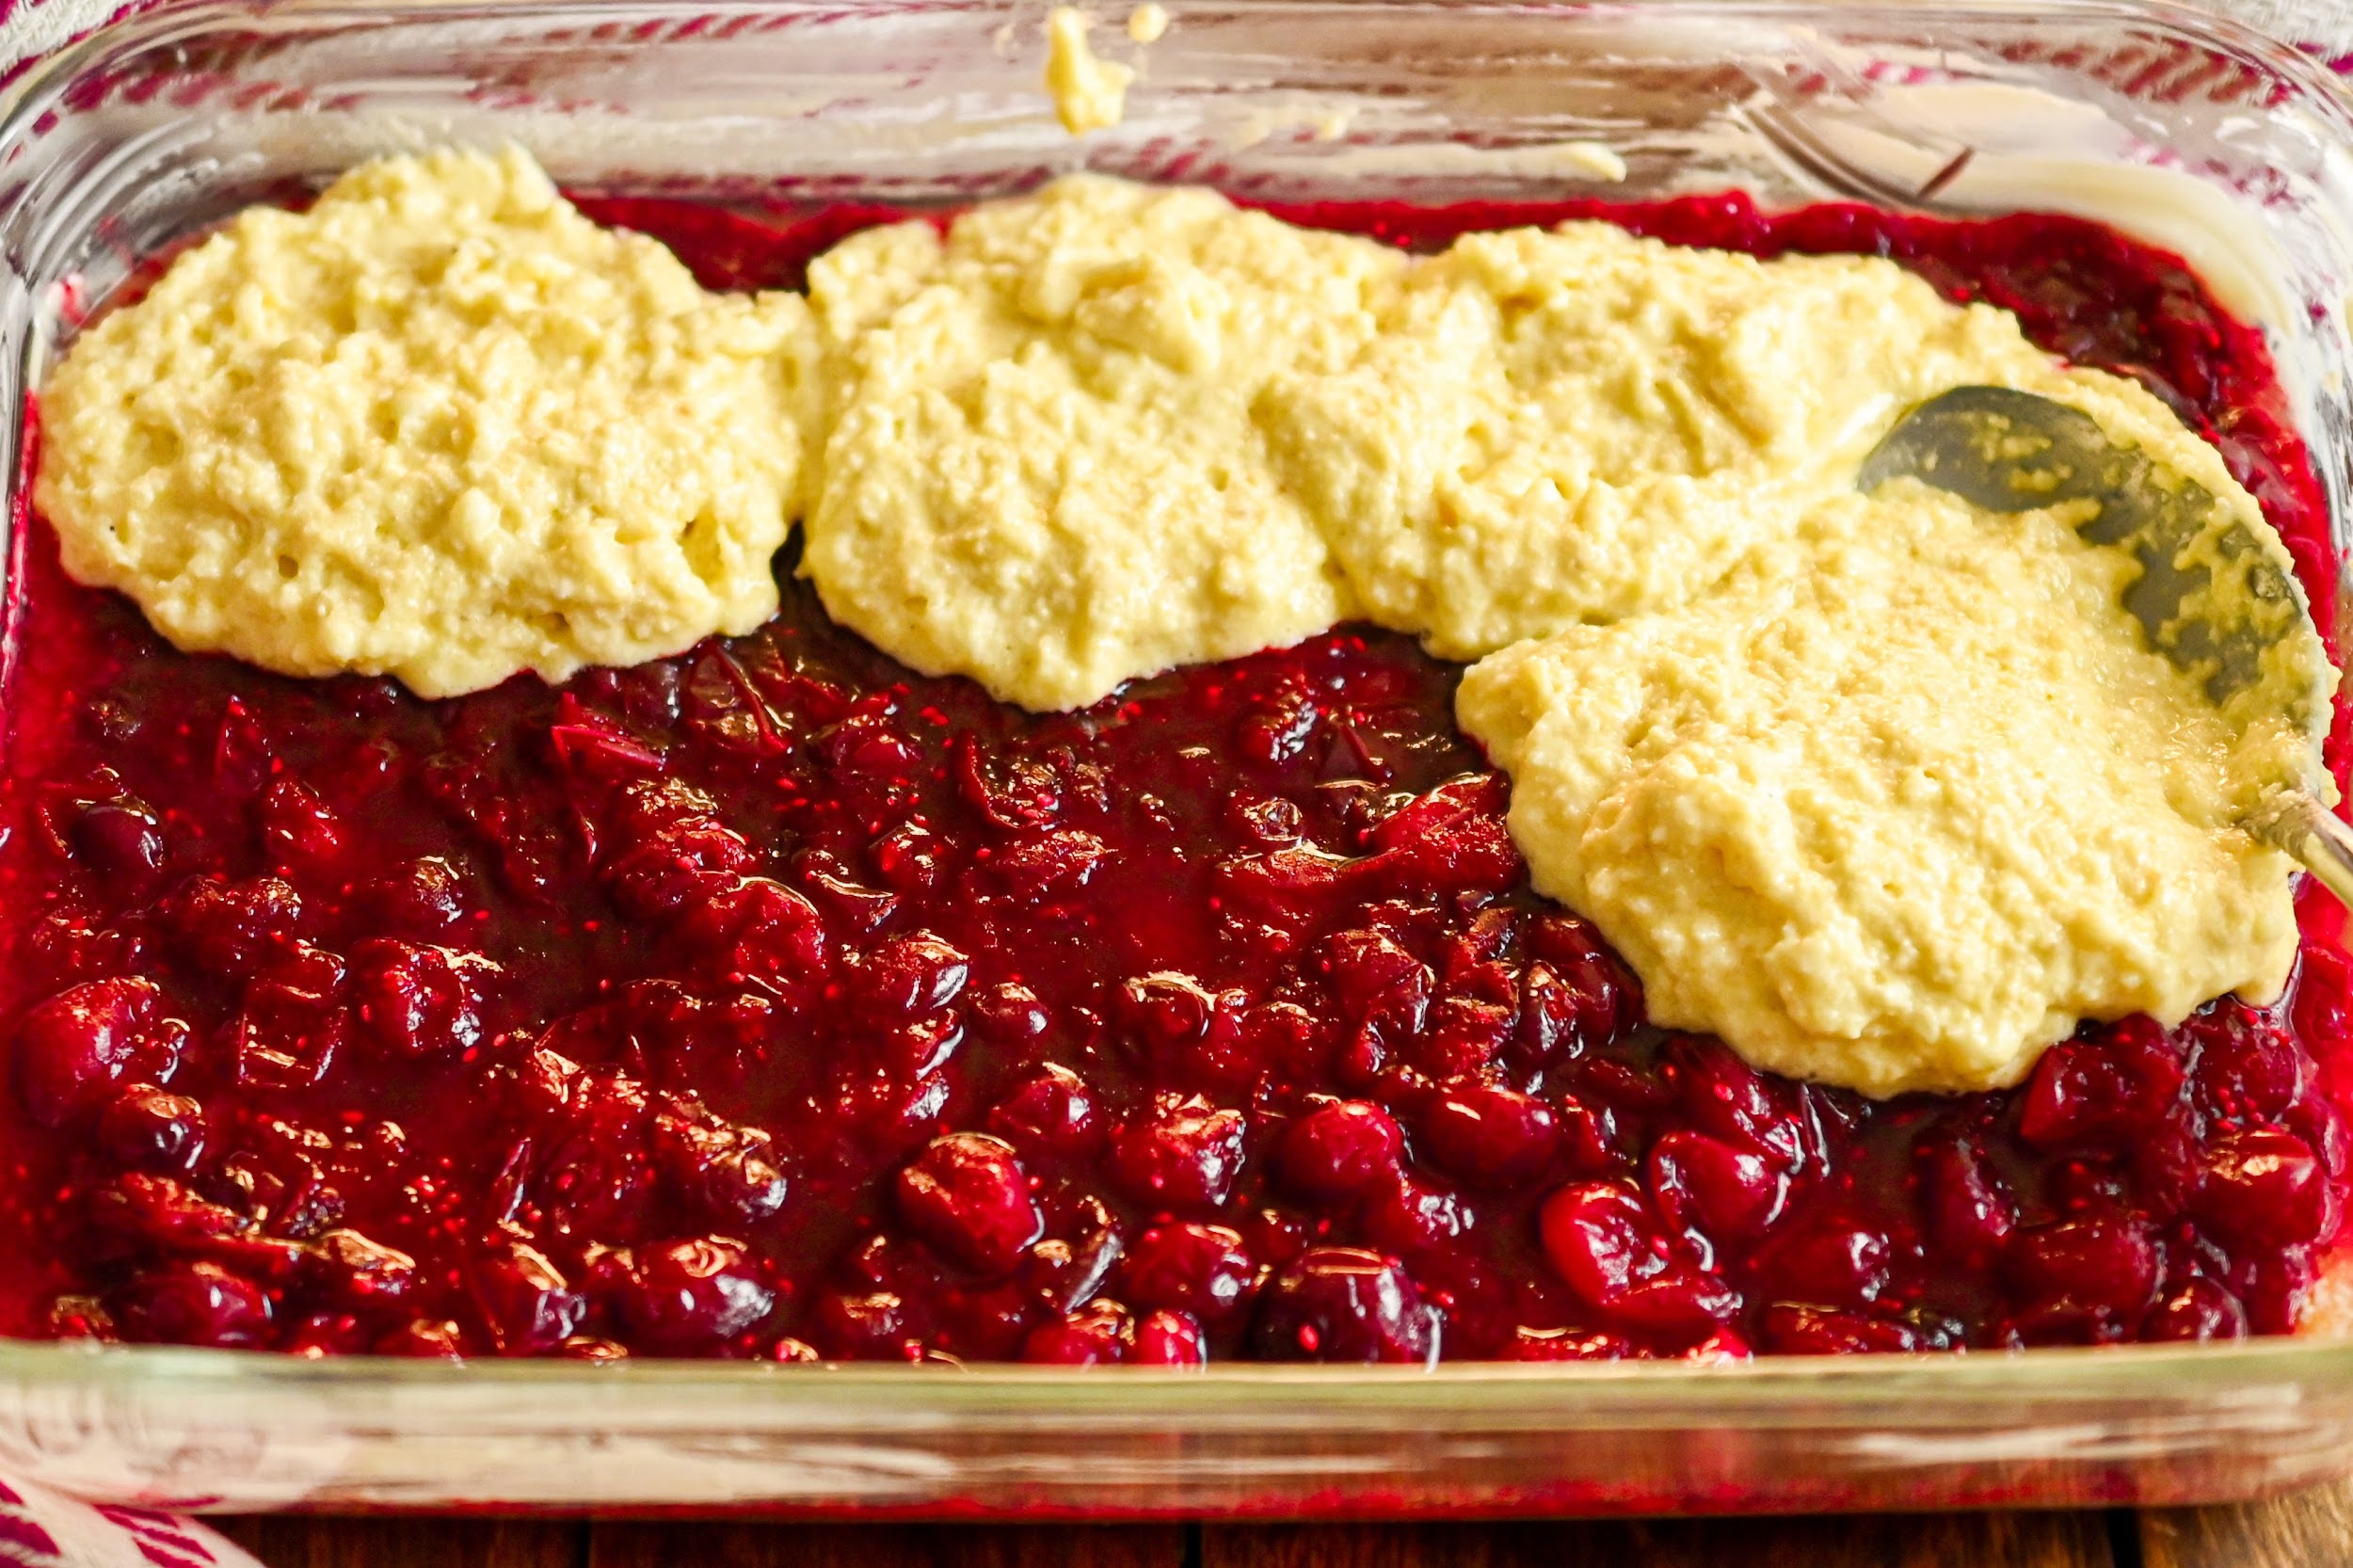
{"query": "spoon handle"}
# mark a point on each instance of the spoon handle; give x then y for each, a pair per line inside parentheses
(2313, 836)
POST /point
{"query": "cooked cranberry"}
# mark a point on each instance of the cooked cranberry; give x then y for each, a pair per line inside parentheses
(324, 1333)
(1724, 1095)
(418, 1001)
(1168, 1010)
(727, 1173)
(1048, 1114)
(1830, 1265)
(2101, 1265)
(1337, 1150)
(761, 930)
(2199, 1310)
(80, 1318)
(1373, 978)
(685, 1297)
(968, 1196)
(524, 1300)
(298, 828)
(1168, 1339)
(908, 977)
(76, 1044)
(1605, 1243)
(1704, 1184)
(1184, 1156)
(1095, 1335)
(359, 1272)
(2099, 1090)
(590, 1347)
(675, 864)
(425, 1339)
(1344, 1304)
(1033, 867)
(1202, 1271)
(1408, 1216)
(1490, 1136)
(1969, 1211)
(2264, 1188)
(198, 1303)
(2246, 1066)
(1561, 1344)
(120, 840)
(865, 1326)
(230, 927)
(1451, 838)
(1008, 1012)
(1464, 1036)
(1797, 1330)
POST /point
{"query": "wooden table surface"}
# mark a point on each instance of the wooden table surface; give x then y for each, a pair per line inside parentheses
(2312, 1529)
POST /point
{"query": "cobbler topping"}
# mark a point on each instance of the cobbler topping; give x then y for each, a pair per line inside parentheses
(1042, 470)
(439, 427)
(1895, 805)
(774, 1000)
(1090, 93)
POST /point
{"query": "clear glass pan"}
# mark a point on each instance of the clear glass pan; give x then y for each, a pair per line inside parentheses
(2232, 150)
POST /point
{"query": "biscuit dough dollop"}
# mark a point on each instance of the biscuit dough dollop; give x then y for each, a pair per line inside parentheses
(440, 426)
(1042, 470)
(1899, 803)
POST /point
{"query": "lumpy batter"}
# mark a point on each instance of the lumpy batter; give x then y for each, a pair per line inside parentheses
(439, 427)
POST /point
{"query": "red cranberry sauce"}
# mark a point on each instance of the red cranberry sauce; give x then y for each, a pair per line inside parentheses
(773, 1002)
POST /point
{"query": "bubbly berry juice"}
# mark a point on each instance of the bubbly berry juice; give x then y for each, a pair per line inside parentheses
(774, 1002)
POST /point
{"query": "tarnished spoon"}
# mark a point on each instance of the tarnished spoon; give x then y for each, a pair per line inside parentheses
(2215, 598)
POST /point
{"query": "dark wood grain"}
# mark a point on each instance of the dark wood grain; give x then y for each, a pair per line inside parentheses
(660, 1546)
(2306, 1529)
(1878, 1541)
(313, 1542)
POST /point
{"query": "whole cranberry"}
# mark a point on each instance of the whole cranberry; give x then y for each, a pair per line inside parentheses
(1703, 1184)
(684, 1298)
(75, 1046)
(1185, 1155)
(1050, 1113)
(2246, 1066)
(198, 1302)
(1970, 1212)
(2264, 1188)
(230, 927)
(1095, 1335)
(1490, 1136)
(424, 1339)
(1831, 1264)
(1202, 1271)
(1799, 1330)
(1408, 1216)
(1008, 1012)
(298, 828)
(875, 1325)
(2101, 1265)
(419, 1002)
(359, 1272)
(968, 1196)
(1336, 1150)
(120, 839)
(1168, 1339)
(1724, 1095)
(908, 977)
(2199, 1310)
(1561, 1344)
(147, 1128)
(1344, 1304)
(2100, 1092)
(324, 1333)
(524, 1300)
(1601, 1239)
(1450, 839)
(762, 930)
(1372, 978)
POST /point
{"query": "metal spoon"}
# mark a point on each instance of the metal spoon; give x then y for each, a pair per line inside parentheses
(2215, 598)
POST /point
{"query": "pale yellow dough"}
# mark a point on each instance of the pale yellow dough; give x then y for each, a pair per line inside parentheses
(1898, 803)
(1553, 428)
(440, 426)
(1042, 470)
(1090, 93)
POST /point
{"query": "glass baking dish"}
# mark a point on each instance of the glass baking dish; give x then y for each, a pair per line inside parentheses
(2187, 130)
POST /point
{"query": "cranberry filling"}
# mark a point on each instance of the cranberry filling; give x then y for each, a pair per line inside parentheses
(773, 1002)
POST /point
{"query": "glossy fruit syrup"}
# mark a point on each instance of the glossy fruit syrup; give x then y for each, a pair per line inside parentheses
(772, 1001)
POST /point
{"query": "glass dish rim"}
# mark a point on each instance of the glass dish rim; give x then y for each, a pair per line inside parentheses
(1763, 1382)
